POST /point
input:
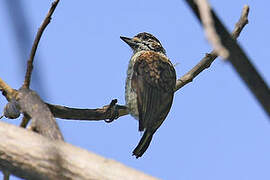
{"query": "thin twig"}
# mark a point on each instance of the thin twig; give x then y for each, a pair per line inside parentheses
(241, 23)
(46, 21)
(209, 58)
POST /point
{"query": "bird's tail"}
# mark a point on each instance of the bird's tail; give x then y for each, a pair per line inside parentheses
(143, 144)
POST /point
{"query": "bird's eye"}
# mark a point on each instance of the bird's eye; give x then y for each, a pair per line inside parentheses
(144, 38)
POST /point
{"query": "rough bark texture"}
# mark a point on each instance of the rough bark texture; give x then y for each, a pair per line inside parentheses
(43, 120)
(29, 155)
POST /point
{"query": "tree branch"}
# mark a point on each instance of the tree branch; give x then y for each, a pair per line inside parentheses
(210, 57)
(27, 101)
(43, 121)
(46, 21)
(240, 62)
(86, 114)
(31, 156)
(38, 124)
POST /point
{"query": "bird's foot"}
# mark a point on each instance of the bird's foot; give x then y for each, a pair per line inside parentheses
(112, 111)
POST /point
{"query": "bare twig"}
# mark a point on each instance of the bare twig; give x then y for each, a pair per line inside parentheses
(240, 62)
(46, 21)
(210, 57)
(211, 34)
(29, 70)
(241, 23)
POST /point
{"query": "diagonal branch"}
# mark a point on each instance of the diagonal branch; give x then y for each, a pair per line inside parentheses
(240, 62)
(210, 57)
(46, 21)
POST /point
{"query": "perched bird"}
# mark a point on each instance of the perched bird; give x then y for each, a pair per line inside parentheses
(149, 87)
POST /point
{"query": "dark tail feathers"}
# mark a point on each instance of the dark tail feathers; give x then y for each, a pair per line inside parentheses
(143, 144)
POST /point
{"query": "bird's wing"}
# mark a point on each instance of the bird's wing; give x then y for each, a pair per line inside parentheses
(153, 80)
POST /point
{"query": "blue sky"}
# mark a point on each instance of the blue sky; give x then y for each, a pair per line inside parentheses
(215, 130)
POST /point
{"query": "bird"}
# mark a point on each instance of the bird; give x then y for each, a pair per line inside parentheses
(150, 85)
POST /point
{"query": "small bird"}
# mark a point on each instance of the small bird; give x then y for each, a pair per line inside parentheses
(150, 84)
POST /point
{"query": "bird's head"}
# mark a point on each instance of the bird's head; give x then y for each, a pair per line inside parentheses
(144, 41)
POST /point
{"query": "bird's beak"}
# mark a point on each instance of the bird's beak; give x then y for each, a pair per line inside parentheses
(129, 41)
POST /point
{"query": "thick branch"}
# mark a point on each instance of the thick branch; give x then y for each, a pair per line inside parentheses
(43, 120)
(240, 62)
(29, 103)
(46, 21)
(31, 156)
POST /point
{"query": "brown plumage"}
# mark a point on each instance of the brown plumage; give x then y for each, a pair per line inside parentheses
(149, 86)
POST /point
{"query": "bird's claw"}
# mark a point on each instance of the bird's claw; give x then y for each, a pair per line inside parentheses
(113, 111)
